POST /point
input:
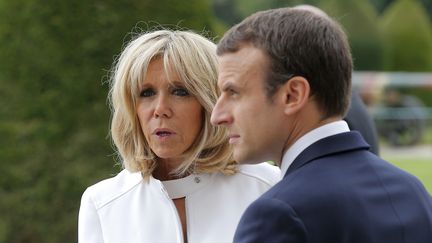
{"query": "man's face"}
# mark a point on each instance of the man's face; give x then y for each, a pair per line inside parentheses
(254, 121)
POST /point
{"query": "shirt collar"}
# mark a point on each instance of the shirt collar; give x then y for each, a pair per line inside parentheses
(310, 138)
(184, 187)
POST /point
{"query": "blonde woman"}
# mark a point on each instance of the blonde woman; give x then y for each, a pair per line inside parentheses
(180, 183)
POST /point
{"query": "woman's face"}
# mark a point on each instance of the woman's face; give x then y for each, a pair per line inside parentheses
(170, 117)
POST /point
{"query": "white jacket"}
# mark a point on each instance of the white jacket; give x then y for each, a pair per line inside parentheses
(126, 209)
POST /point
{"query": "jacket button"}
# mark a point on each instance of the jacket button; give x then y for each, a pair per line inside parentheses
(197, 179)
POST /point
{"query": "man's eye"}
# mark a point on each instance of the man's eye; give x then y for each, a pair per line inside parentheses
(180, 92)
(147, 93)
(230, 91)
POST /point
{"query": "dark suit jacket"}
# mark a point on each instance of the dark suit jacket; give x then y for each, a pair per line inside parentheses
(337, 191)
(360, 120)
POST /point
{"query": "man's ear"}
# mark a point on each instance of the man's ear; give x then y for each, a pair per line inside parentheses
(295, 94)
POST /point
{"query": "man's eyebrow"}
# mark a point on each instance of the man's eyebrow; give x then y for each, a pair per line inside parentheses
(230, 85)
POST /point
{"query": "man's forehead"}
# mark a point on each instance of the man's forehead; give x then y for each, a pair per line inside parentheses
(245, 50)
(236, 68)
(232, 69)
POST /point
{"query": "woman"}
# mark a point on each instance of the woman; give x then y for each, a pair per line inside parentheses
(180, 183)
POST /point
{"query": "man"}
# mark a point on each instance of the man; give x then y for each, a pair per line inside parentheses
(285, 81)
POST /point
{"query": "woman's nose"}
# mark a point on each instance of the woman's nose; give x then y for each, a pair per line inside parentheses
(163, 107)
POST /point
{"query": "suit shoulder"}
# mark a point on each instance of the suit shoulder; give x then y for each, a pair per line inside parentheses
(108, 190)
(264, 172)
(270, 217)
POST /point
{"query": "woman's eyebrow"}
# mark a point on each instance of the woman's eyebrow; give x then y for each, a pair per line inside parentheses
(177, 83)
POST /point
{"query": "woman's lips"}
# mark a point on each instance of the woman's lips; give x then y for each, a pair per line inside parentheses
(233, 138)
(163, 132)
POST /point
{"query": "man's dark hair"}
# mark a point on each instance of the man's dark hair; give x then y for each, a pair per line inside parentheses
(299, 43)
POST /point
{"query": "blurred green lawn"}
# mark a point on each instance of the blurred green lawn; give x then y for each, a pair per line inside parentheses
(420, 167)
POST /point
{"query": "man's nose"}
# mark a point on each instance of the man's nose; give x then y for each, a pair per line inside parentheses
(220, 115)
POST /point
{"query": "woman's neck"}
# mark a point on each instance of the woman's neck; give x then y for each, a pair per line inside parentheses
(165, 168)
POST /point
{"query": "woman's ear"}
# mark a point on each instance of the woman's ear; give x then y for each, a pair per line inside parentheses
(295, 94)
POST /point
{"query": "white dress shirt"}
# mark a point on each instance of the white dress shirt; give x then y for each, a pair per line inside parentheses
(126, 208)
(308, 139)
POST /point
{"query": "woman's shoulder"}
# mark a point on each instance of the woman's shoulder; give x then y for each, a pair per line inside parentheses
(264, 172)
(107, 190)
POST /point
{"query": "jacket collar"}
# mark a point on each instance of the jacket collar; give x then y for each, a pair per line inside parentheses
(309, 138)
(184, 187)
(338, 143)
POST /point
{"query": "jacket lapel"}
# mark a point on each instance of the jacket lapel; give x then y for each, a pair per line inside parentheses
(338, 143)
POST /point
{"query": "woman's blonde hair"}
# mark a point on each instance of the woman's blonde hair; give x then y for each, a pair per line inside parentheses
(193, 58)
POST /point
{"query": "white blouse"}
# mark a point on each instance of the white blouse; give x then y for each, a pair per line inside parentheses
(126, 208)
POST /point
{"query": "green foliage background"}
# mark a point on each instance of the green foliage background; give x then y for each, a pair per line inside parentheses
(54, 61)
(365, 38)
(54, 57)
(408, 45)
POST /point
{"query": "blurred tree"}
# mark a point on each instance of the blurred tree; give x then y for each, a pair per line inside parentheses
(233, 11)
(428, 7)
(408, 37)
(54, 57)
(359, 20)
(247, 7)
(226, 11)
(381, 5)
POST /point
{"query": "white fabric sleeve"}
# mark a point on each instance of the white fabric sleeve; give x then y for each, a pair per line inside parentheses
(89, 227)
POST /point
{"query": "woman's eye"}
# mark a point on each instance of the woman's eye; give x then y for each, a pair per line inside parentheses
(180, 92)
(147, 93)
(232, 92)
